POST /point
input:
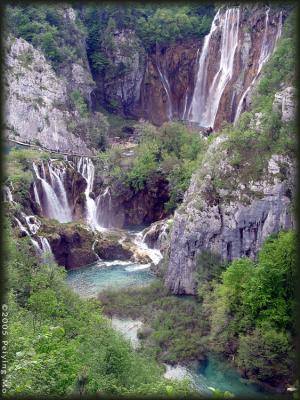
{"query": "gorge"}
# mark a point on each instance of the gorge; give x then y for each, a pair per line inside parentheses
(154, 162)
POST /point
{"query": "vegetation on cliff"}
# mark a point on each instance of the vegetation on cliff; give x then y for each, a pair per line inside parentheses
(245, 310)
(172, 151)
(153, 25)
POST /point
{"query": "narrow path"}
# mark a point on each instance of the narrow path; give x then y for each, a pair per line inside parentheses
(42, 148)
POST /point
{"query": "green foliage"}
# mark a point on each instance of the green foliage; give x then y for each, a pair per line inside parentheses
(209, 266)
(153, 25)
(46, 28)
(178, 328)
(254, 310)
(61, 344)
(18, 164)
(171, 150)
(79, 103)
(169, 24)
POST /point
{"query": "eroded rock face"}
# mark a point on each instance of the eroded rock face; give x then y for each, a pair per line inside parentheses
(231, 228)
(157, 235)
(77, 75)
(119, 89)
(74, 245)
(119, 206)
(36, 109)
(259, 30)
(168, 82)
(284, 103)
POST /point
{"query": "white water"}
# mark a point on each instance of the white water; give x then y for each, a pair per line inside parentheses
(154, 254)
(104, 208)
(32, 222)
(205, 101)
(86, 168)
(55, 204)
(266, 50)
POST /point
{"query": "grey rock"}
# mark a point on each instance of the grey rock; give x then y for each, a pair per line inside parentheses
(232, 229)
(36, 108)
(284, 103)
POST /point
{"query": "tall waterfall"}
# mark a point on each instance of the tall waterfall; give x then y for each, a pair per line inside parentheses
(206, 98)
(104, 208)
(266, 50)
(86, 168)
(55, 204)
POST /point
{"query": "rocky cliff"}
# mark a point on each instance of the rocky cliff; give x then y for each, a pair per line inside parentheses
(168, 82)
(231, 221)
(36, 108)
(118, 88)
(120, 206)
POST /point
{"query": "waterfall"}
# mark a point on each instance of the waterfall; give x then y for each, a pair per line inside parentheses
(93, 250)
(7, 195)
(23, 229)
(55, 204)
(104, 208)
(154, 254)
(166, 85)
(266, 50)
(32, 222)
(86, 168)
(46, 250)
(206, 99)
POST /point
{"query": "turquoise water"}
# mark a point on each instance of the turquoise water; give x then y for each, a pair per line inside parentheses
(218, 374)
(89, 281)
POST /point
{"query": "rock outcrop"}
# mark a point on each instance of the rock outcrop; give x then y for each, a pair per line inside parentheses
(76, 74)
(36, 108)
(74, 245)
(119, 206)
(119, 88)
(168, 82)
(229, 226)
(284, 103)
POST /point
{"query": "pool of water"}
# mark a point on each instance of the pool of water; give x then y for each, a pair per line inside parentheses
(219, 374)
(90, 280)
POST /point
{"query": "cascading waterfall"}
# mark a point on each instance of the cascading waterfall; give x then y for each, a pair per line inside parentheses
(23, 229)
(266, 50)
(86, 168)
(32, 222)
(154, 254)
(55, 204)
(205, 101)
(104, 208)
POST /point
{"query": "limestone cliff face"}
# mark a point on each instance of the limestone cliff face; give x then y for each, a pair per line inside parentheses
(119, 88)
(259, 30)
(168, 82)
(119, 206)
(36, 107)
(76, 74)
(209, 219)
